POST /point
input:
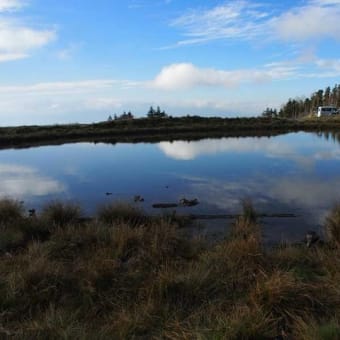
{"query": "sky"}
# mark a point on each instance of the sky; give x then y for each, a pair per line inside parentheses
(83, 60)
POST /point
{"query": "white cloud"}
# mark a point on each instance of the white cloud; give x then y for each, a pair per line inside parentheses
(56, 101)
(92, 100)
(10, 5)
(60, 101)
(325, 2)
(330, 64)
(245, 20)
(314, 21)
(102, 103)
(186, 75)
(11, 56)
(68, 52)
(61, 87)
(17, 40)
(234, 19)
(218, 106)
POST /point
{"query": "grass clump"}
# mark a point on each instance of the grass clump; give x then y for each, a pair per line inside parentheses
(16, 229)
(10, 238)
(10, 210)
(249, 214)
(119, 211)
(58, 213)
(332, 227)
(310, 329)
(124, 276)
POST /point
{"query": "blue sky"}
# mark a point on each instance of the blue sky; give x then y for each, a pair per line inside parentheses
(81, 60)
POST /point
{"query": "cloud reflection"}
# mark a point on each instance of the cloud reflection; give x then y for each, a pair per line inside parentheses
(270, 147)
(312, 198)
(182, 150)
(19, 181)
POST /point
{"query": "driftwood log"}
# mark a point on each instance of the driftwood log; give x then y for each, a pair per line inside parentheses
(164, 205)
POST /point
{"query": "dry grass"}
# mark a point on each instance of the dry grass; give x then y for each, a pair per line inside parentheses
(310, 329)
(58, 213)
(10, 210)
(118, 278)
(282, 294)
(119, 212)
(332, 227)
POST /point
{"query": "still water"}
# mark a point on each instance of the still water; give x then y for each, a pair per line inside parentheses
(293, 173)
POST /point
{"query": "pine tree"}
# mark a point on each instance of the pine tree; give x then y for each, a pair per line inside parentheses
(319, 95)
(327, 96)
(334, 95)
(151, 112)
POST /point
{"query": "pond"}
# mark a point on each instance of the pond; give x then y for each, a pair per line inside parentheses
(296, 173)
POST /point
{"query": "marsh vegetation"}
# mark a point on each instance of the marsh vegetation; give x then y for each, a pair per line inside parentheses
(140, 277)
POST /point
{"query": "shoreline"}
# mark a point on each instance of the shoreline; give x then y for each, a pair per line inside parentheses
(156, 130)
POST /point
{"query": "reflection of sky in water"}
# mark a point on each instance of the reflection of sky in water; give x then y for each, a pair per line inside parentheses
(296, 173)
(18, 181)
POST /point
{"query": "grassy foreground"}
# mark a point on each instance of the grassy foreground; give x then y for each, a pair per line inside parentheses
(158, 129)
(124, 275)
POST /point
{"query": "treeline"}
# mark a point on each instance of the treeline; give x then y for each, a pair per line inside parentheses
(304, 106)
(152, 113)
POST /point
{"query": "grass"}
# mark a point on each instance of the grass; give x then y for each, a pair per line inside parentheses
(116, 277)
(155, 130)
(333, 226)
(110, 213)
(10, 210)
(309, 329)
(58, 213)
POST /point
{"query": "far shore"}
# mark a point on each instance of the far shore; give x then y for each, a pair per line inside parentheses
(160, 129)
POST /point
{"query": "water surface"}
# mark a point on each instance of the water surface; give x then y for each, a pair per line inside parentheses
(293, 173)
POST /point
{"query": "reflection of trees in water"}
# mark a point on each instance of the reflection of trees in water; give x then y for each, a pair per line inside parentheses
(330, 135)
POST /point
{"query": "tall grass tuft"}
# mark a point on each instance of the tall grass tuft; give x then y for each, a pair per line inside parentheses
(10, 210)
(306, 328)
(248, 211)
(246, 232)
(55, 323)
(58, 213)
(332, 226)
(119, 211)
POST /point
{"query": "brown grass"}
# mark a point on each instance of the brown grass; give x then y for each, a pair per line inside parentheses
(10, 210)
(117, 279)
(119, 212)
(58, 213)
(332, 226)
